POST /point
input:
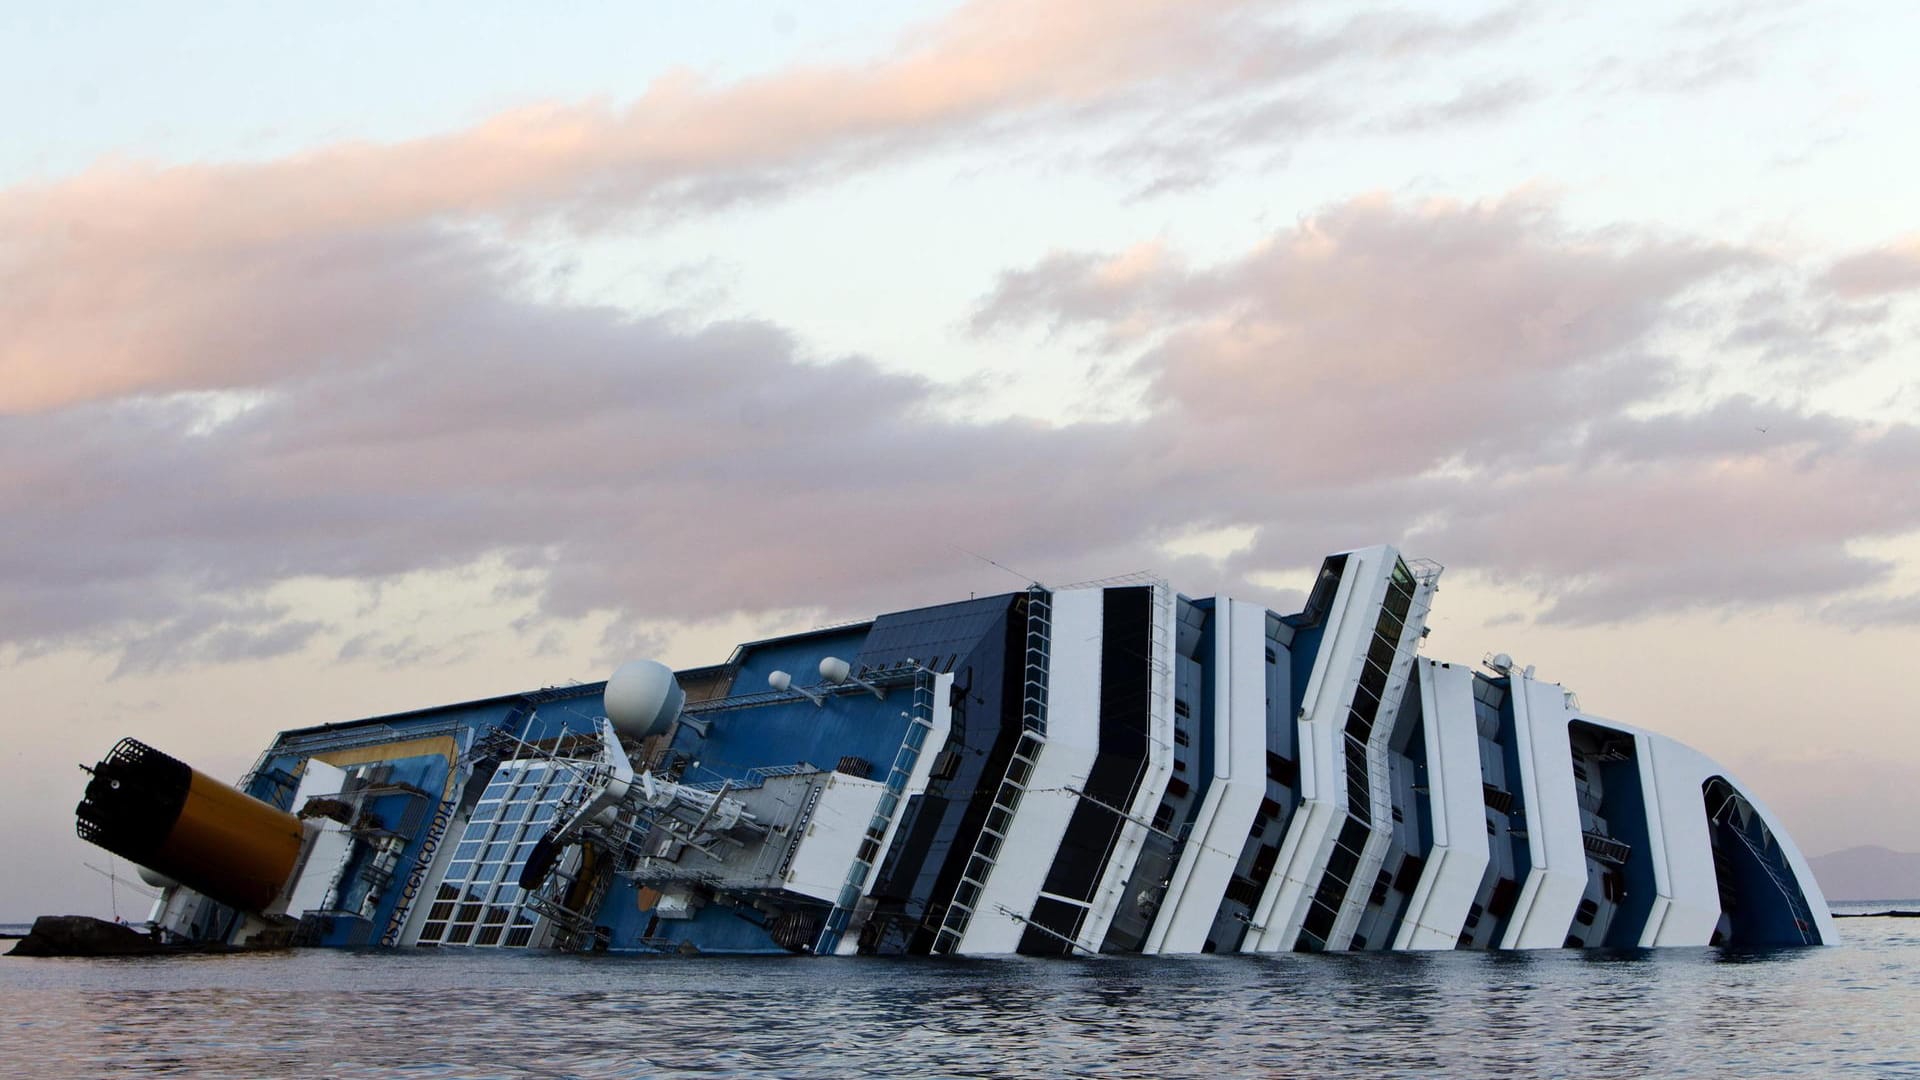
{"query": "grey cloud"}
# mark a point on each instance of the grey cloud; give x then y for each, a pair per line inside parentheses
(214, 631)
(1615, 544)
(1377, 352)
(1455, 378)
(396, 652)
(1881, 271)
(1067, 290)
(1397, 33)
(1691, 70)
(1806, 334)
(1699, 49)
(1704, 583)
(1865, 612)
(1735, 427)
(146, 278)
(1269, 83)
(1475, 103)
(1476, 330)
(664, 471)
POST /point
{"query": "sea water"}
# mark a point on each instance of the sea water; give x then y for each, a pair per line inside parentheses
(1849, 1010)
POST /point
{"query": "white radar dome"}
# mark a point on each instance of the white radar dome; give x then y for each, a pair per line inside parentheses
(643, 698)
(835, 670)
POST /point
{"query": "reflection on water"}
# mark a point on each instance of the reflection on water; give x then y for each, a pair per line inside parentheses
(1847, 1011)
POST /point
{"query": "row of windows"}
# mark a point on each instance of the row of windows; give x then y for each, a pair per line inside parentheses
(489, 892)
(485, 914)
(518, 796)
(511, 937)
(517, 811)
(514, 846)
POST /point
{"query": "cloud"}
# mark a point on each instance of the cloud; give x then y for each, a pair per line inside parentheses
(1704, 48)
(214, 631)
(217, 379)
(117, 280)
(1475, 329)
(1471, 380)
(631, 464)
(1863, 612)
(1269, 83)
(1484, 385)
(1472, 104)
(407, 651)
(1892, 268)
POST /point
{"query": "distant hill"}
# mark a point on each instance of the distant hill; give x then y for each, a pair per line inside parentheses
(1868, 873)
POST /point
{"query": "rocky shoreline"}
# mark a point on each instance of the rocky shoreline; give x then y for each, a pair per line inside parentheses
(84, 935)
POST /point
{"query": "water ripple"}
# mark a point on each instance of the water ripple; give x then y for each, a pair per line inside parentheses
(1846, 1011)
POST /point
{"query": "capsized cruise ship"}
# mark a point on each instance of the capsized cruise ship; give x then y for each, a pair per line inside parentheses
(1102, 768)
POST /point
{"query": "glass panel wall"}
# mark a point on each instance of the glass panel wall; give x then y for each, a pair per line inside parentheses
(480, 902)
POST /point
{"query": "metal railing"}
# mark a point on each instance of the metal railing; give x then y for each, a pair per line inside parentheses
(1768, 854)
(1607, 849)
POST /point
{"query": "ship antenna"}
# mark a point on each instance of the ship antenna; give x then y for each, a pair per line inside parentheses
(1000, 566)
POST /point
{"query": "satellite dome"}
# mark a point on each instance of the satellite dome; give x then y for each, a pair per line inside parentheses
(643, 698)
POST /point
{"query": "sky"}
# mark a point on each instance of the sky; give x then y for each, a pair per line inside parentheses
(357, 357)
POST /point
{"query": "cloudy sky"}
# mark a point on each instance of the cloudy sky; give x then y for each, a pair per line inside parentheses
(360, 358)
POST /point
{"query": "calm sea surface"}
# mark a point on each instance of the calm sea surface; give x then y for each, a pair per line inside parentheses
(1848, 1011)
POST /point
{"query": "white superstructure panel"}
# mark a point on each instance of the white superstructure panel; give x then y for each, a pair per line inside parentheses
(827, 849)
(1687, 905)
(1155, 772)
(318, 778)
(326, 858)
(1200, 879)
(1323, 807)
(1064, 761)
(1673, 776)
(1556, 847)
(326, 850)
(1380, 820)
(1456, 804)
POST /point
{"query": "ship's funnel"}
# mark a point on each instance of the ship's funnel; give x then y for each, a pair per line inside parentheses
(180, 823)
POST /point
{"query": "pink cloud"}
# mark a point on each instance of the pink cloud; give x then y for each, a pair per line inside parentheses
(1470, 377)
(1467, 377)
(111, 282)
(1379, 372)
(1451, 327)
(1892, 268)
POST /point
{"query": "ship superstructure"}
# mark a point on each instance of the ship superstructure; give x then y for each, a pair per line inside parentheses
(1110, 767)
